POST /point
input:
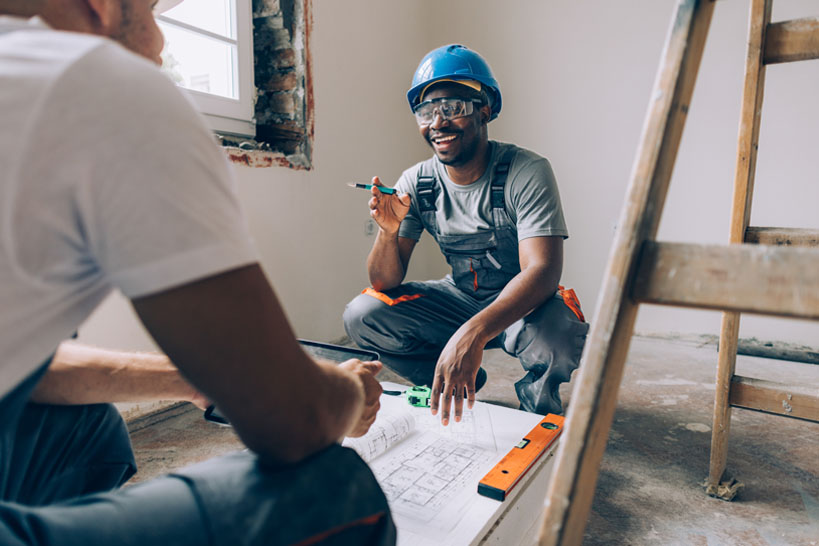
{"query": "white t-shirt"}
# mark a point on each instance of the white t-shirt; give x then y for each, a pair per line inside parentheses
(108, 179)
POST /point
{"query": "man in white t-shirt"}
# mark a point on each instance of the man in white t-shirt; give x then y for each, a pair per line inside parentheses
(110, 180)
(494, 210)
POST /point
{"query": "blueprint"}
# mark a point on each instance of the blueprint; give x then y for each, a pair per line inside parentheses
(388, 430)
(428, 472)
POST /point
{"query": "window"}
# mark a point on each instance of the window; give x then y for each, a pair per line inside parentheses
(209, 52)
(247, 65)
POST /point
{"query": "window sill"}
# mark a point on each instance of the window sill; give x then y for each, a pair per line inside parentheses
(252, 153)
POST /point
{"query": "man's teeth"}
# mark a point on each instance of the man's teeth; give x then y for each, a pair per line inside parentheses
(444, 139)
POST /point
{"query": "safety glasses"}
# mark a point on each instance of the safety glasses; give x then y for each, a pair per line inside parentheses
(447, 108)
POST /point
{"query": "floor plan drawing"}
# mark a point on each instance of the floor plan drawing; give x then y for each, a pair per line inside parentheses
(475, 427)
(429, 475)
(383, 434)
(428, 472)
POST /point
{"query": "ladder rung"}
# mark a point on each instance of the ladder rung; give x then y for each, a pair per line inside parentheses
(769, 280)
(789, 41)
(779, 398)
(782, 236)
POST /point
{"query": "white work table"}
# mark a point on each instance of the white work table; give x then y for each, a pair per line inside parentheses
(442, 506)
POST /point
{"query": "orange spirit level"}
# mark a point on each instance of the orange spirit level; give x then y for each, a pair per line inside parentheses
(507, 473)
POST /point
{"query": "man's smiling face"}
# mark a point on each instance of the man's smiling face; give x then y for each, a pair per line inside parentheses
(455, 141)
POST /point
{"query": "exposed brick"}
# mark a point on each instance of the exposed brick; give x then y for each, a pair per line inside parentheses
(281, 103)
(270, 35)
(272, 72)
(287, 81)
(281, 131)
(269, 23)
(266, 8)
(289, 146)
(283, 58)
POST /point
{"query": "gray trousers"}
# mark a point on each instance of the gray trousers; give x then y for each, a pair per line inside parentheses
(61, 465)
(409, 333)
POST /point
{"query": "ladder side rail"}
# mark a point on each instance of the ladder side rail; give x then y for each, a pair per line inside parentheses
(594, 396)
(747, 145)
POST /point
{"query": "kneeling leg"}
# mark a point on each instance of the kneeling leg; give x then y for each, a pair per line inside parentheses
(549, 343)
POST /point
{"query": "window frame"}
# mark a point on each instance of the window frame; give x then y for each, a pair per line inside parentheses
(225, 114)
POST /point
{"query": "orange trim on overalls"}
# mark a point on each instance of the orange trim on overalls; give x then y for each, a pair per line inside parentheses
(369, 521)
(370, 291)
(571, 301)
(474, 274)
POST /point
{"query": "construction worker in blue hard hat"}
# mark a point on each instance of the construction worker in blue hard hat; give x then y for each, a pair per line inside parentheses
(495, 212)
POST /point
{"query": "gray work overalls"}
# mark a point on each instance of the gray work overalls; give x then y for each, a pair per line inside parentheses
(410, 324)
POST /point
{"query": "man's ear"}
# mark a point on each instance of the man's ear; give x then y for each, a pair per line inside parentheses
(105, 16)
(486, 113)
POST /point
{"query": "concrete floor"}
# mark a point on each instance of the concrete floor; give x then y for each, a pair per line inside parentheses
(649, 490)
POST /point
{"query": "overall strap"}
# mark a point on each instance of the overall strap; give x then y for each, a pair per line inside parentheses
(500, 215)
(425, 185)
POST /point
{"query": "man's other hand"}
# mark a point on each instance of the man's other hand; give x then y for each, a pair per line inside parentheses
(388, 209)
(365, 371)
(455, 375)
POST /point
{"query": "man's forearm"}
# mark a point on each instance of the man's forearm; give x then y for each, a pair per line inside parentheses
(81, 374)
(523, 294)
(541, 260)
(384, 266)
(229, 335)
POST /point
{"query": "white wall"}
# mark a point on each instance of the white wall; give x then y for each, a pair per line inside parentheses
(576, 76)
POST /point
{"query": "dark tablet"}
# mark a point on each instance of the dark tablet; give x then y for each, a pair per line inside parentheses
(336, 353)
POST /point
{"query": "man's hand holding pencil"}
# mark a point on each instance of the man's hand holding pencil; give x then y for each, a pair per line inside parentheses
(387, 208)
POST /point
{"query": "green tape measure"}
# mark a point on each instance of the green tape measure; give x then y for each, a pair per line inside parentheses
(419, 396)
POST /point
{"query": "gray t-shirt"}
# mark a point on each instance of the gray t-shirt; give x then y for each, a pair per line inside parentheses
(531, 196)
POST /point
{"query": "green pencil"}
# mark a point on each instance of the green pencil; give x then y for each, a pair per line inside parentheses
(382, 189)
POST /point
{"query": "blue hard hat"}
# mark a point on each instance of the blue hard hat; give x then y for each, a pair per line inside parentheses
(454, 62)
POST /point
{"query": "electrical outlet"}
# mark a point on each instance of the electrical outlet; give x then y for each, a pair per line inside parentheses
(369, 227)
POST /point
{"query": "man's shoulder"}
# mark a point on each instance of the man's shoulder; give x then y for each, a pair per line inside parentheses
(107, 84)
(518, 154)
(108, 63)
(49, 54)
(409, 177)
(56, 58)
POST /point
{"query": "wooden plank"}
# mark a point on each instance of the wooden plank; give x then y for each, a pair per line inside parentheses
(790, 400)
(778, 351)
(594, 396)
(744, 172)
(789, 41)
(768, 280)
(782, 236)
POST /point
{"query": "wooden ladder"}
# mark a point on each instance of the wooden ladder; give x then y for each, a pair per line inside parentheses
(750, 278)
(768, 43)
